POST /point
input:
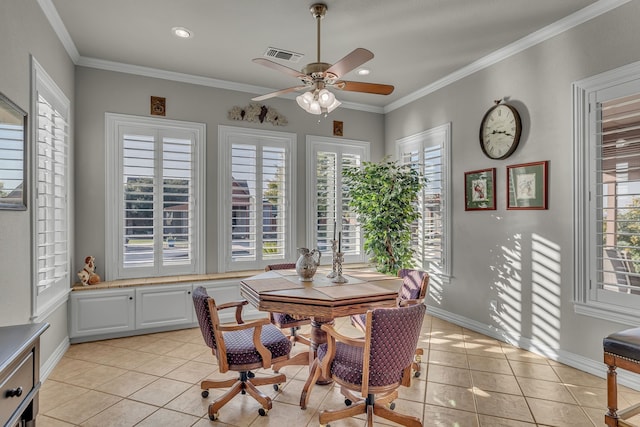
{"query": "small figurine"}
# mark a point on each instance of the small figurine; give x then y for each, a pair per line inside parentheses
(87, 275)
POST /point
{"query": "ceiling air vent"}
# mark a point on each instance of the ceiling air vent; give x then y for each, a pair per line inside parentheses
(285, 55)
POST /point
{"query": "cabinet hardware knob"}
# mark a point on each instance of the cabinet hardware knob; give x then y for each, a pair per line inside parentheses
(130, 298)
(16, 392)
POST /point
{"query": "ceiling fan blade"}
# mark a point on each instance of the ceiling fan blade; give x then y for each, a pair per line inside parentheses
(350, 62)
(278, 93)
(278, 67)
(375, 88)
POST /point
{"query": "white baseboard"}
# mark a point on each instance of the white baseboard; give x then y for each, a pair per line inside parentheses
(594, 367)
(54, 359)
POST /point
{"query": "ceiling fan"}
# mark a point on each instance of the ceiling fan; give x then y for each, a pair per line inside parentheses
(318, 76)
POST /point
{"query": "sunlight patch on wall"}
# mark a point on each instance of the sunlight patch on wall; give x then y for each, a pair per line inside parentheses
(506, 310)
(545, 290)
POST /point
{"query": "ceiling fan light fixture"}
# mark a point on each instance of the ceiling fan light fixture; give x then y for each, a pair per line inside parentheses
(318, 101)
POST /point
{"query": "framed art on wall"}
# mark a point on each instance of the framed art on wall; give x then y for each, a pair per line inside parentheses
(480, 191)
(527, 185)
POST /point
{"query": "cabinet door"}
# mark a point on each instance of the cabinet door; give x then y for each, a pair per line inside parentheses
(101, 312)
(158, 306)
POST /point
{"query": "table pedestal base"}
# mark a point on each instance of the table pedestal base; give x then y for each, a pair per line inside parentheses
(318, 336)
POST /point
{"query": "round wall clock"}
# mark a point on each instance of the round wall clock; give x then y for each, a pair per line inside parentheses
(500, 131)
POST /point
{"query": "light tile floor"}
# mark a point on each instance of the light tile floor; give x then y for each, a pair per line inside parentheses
(467, 380)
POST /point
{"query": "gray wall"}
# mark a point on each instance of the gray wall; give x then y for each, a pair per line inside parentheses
(523, 257)
(100, 91)
(537, 81)
(24, 30)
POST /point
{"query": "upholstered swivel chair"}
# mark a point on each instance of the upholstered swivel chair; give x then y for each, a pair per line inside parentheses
(292, 323)
(370, 369)
(413, 291)
(239, 347)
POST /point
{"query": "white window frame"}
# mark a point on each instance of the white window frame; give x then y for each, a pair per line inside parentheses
(47, 298)
(339, 146)
(227, 136)
(115, 124)
(437, 136)
(587, 94)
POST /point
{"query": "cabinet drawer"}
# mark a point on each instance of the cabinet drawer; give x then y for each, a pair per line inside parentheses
(19, 381)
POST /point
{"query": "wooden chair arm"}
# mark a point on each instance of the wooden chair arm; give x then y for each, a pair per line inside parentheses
(265, 354)
(238, 305)
(356, 342)
(408, 302)
(242, 326)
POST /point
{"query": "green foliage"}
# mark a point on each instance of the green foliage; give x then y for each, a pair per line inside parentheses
(384, 197)
(628, 230)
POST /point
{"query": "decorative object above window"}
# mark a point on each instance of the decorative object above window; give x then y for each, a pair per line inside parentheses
(258, 113)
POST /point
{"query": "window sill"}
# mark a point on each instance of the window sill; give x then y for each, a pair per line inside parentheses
(172, 280)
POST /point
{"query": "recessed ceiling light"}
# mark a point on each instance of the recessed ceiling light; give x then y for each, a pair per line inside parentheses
(182, 32)
(363, 72)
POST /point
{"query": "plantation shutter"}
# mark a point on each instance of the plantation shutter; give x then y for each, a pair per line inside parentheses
(259, 202)
(351, 231)
(51, 191)
(427, 232)
(327, 200)
(158, 203)
(332, 213)
(617, 169)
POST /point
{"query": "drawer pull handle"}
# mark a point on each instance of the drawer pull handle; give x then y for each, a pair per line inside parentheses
(16, 392)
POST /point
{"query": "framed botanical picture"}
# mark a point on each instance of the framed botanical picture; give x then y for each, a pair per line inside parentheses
(527, 185)
(480, 190)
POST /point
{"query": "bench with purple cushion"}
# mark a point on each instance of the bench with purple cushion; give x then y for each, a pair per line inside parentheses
(621, 350)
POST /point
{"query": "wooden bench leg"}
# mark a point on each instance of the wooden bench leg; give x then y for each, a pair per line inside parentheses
(611, 418)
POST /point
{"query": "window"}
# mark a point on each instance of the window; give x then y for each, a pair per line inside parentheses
(607, 182)
(51, 206)
(257, 181)
(429, 152)
(155, 191)
(327, 198)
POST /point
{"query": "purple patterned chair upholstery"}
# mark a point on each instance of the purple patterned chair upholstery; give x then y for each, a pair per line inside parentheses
(413, 291)
(370, 369)
(239, 347)
(292, 323)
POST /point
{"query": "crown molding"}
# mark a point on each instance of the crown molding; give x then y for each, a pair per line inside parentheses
(592, 11)
(58, 26)
(198, 80)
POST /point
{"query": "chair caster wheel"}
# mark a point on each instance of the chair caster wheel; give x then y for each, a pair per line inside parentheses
(243, 392)
(416, 374)
(205, 393)
(251, 374)
(347, 402)
(276, 387)
(392, 405)
(214, 417)
(263, 412)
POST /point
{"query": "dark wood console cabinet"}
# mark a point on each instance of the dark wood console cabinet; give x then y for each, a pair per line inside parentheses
(20, 374)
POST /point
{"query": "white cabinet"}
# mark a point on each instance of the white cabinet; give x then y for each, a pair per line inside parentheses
(102, 312)
(117, 312)
(166, 305)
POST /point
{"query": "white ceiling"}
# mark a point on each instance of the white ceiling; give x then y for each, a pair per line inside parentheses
(416, 42)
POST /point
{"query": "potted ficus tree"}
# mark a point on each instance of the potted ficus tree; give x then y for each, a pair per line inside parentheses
(384, 196)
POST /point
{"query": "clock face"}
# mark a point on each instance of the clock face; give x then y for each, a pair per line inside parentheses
(500, 131)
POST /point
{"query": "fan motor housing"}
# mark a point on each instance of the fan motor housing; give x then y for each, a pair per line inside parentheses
(317, 70)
